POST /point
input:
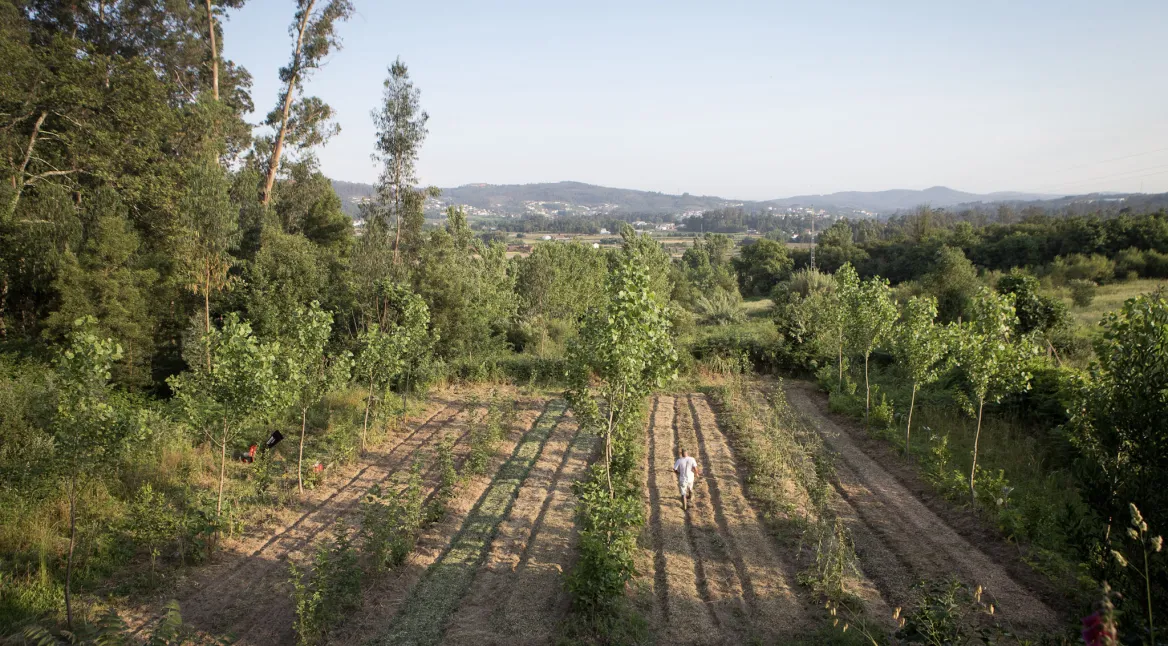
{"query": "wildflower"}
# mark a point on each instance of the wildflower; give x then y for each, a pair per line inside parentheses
(1133, 534)
(1097, 631)
(1137, 517)
(1157, 543)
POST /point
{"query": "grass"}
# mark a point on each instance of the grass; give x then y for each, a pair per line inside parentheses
(1109, 298)
(434, 599)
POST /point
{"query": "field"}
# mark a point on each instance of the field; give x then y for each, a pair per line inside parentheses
(1109, 298)
(491, 570)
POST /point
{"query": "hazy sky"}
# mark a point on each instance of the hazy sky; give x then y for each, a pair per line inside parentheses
(751, 100)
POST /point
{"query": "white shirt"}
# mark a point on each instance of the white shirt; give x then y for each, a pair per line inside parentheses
(685, 467)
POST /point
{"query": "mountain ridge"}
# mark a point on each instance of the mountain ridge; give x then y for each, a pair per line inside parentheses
(580, 198)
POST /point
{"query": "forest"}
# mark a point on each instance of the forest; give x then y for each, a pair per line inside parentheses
(210, 378)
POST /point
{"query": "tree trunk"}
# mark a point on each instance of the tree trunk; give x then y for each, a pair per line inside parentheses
(397, 207)
(973, 468)
(222, 470)
(69, 558)
(608, 452)
(19, 176)
(368, 405)
(841, 366)
(908, 428)
(207, 318)
(214, 52)
(278, 149)
(300, 458)
(867, 392)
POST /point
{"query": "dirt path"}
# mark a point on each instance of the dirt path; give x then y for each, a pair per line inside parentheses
(243, 593)
(900, 540)
(718, 576)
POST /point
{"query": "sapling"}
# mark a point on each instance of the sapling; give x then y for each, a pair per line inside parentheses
(919, 346)
(871, 313)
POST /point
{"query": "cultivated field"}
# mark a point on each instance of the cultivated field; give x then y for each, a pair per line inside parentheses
(491, 571)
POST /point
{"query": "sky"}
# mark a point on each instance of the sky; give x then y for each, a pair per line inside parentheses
(749, 100)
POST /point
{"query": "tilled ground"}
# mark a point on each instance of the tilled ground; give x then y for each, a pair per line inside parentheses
(718, 577)
(900, 540)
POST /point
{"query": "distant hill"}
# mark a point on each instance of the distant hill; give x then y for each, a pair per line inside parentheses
(899, 199)
(577, 198)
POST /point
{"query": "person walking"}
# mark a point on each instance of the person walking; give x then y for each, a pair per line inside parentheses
(686, 468)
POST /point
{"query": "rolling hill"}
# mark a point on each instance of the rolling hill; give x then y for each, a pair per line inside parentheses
(578, 198)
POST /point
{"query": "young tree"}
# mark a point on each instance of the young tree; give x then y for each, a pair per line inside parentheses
(870, 315)
(401, 129)
(311, 372)
(991, 358)
(305, 122)
(88, 431)
(830, 313)
(623, 352)
(241, 388)
(389, 344)
(209, 230)
(919, 346)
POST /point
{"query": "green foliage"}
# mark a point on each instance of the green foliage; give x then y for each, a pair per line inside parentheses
(392, 521)
(447, 479)
(332, 588)
(919, 346)
(992, 360)
(1082, 291)
(719, 308)
(761, 265)
(1117, 419)
(950, 613)
(1036, 312)
(241, 387)
(623, 352)
(871, 313)
(485, 436)
(558, 283)
(953, 282)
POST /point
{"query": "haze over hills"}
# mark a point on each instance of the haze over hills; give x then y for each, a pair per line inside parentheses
(577, 198)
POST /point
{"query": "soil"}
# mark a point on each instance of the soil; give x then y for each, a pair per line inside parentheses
(904, 535)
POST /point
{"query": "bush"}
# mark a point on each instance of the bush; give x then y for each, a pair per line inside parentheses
(1082, 292)
(608, 541)
(391, 522)
(333, 588)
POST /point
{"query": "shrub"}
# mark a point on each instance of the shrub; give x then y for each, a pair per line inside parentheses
(1082, 292)
(334, 587)
(606, 546)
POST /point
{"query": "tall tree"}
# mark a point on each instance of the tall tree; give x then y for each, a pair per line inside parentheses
(209, 230)
(215, 33)
(919, 347)
(401, 129)
(991, 358)
(304, 122)
(624, 351)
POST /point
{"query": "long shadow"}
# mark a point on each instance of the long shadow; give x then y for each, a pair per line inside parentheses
(699, 565)
(424, 615)
(660, 577)
(251, 566)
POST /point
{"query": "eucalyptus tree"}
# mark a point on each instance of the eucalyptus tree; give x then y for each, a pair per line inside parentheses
(919, 345)
(401, 129)
(241, 387)
(624, 351)
(306, 121)
(991, 357)
(89, 432)
(310, 372)
(870, 315)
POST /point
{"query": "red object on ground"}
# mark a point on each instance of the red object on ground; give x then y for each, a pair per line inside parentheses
(318, 467)
(251, 451)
